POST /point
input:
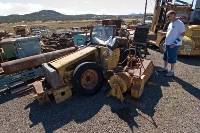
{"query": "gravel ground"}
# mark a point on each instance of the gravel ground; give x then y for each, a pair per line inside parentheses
(172, 106)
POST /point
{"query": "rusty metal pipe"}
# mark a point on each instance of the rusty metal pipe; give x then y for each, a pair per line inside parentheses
(33, 61)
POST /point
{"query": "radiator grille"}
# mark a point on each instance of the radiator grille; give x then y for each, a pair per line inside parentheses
(196, 34)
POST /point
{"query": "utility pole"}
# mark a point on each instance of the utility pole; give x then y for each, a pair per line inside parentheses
(145, 12)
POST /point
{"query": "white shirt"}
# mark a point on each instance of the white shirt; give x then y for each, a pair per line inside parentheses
(174, 31)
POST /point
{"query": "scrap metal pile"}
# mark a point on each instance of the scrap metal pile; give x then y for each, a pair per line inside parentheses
(56, 42)
(61, 39)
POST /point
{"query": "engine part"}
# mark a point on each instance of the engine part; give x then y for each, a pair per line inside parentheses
(120, 83)
(131, 80)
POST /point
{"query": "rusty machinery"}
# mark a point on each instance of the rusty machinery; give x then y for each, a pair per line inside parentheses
(21, 30)
(20, 71)
(85, 70)
(125, 41)
(56, 43)
(191, 44)
(59, 40)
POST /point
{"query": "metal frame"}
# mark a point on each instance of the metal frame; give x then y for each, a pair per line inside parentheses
(20, 78)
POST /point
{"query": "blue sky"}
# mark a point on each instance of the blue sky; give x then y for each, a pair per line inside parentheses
(73, 7)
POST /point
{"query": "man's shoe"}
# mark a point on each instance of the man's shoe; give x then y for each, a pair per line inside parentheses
(169, 74)
(162, 70)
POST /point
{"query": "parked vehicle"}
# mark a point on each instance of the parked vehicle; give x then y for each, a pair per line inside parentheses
(36, 32)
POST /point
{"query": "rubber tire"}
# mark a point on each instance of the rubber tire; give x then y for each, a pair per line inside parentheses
(125, 54)
(76, 78)
(161, 49)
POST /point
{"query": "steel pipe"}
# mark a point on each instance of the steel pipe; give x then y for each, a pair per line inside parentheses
(33, 61)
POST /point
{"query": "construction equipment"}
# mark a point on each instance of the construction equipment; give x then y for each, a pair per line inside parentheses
(85, 70)
(190, 44)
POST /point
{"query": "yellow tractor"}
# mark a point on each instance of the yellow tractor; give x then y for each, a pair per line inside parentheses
(158, 30)
(85, 70)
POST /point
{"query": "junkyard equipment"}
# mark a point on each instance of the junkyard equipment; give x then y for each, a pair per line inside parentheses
(21, 30)
(4, 34)
(85, 70)
(13, 48)
(20, 71)
(57, 41)
(124, 40)
(191, 43)
(80, 39)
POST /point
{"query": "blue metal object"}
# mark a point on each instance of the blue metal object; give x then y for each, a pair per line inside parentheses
(9, 81)
(20, 47)
(27, 46)
(80, 39)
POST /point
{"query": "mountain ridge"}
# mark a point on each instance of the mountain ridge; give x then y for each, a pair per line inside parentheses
(46, 15)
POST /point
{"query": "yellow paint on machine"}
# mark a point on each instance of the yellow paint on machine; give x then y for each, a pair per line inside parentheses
(61, 63)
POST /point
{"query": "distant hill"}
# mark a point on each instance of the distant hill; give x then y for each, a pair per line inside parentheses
(46, 15)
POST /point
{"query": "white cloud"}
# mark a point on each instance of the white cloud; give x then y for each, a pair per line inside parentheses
(86, 2)
(102, 10)
(72, 11)
(33, 7)
(19, 8)
(72, 2)
(73, 7)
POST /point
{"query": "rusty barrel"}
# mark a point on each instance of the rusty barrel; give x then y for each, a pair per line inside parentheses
(33, 61)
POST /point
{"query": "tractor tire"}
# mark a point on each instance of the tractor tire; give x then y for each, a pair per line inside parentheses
(161, 48)
(87, 78)
(125, 54)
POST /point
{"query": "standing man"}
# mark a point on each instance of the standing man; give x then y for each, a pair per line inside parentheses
(175, 33)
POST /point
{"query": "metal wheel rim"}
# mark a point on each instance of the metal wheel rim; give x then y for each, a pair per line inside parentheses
(89, 79)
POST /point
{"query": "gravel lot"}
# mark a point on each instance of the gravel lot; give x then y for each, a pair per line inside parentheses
(172, 106)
